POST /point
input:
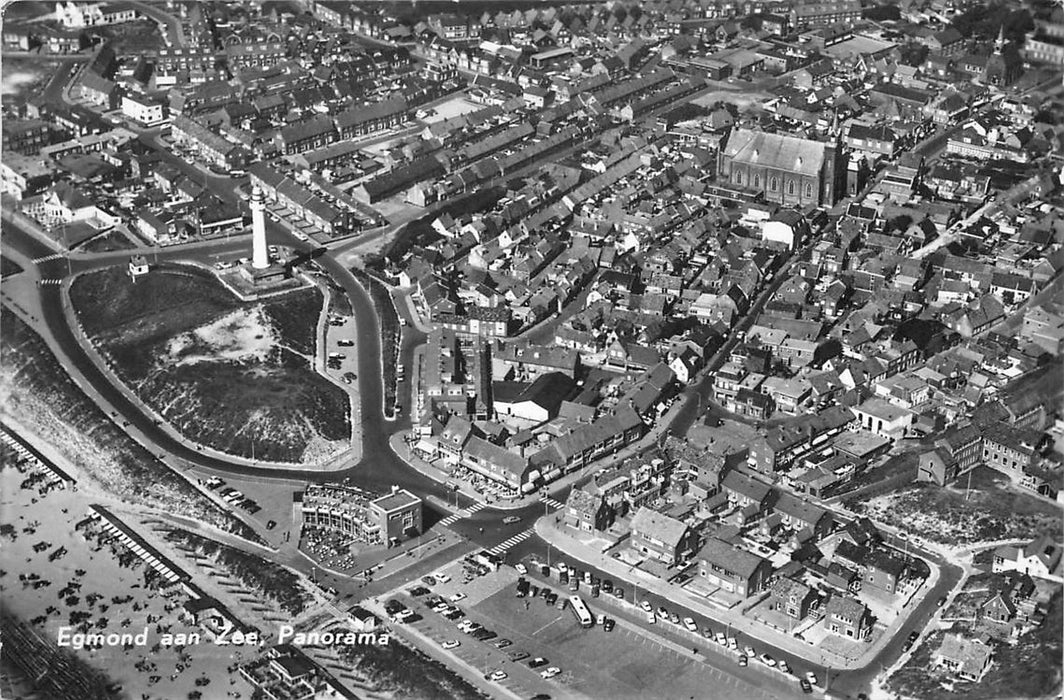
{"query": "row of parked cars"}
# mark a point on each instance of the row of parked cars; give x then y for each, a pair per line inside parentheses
(447, 609)
(574, 578)
(745, 654)
(231, 495)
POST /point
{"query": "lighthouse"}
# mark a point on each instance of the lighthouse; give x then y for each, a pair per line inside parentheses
(260, 259)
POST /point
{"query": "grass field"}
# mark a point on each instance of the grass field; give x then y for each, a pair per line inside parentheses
(236, 377)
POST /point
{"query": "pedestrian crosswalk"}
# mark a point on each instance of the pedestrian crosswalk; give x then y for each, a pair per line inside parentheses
(509, 544)
(452, 519)
(557, 505)
(46, 258)
(49, 282)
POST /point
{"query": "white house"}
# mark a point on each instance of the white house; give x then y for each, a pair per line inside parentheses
(1039, 558)
(883, 418)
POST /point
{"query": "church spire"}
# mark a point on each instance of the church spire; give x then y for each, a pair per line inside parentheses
(999, 43)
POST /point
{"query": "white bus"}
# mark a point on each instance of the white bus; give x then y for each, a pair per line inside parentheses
(579, 608)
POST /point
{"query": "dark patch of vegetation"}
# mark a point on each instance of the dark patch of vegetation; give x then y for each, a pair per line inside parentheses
(420, 232)
(881, 13)
(9, 267)
(107, 243)
(271, 580)
(404, 672)
(132, 472)
(295, 316)
(928, 335)
(390, 333)
(985, 21)
(898, 471)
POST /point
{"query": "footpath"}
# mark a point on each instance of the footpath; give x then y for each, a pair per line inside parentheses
(560, 538)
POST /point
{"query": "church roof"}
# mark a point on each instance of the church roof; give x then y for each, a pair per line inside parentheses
(788, 153)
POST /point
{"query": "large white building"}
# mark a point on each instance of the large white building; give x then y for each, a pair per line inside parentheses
(144, 110)
(77, 15)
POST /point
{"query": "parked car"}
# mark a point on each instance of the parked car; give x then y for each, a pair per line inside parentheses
(689, 623)
(550, 672)
(518, 655)
(451, 644)
(521, 569)
(784, 666)
(646, 606)
(511, 519)
(537, 662)
(768, 660)
(811, 677)
(742, 661)
(609, 624)
(458, 596)
(503, 643)
(806, 687)
(497, 676)
(674, 618)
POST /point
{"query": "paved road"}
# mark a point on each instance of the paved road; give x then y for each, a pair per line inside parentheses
(842, 683)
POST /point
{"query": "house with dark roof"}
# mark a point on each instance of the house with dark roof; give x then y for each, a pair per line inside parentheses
(723, 565)
(661, 537)
(801, 515)
(1041, 558)
(847, 617)
(883, 570)
(744, 490)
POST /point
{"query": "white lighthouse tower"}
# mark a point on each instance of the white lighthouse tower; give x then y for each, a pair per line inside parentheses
(260, 259)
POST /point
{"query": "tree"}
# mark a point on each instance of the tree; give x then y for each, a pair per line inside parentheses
(913, 54)
(880, 13)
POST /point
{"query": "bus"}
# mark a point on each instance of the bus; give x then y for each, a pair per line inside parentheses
(579, 608)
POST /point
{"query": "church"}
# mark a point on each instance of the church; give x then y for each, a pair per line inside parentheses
(784, 169)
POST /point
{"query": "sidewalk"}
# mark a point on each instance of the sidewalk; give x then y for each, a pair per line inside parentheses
(561, 539)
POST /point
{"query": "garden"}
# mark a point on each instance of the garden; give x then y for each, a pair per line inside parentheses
(233, 376)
